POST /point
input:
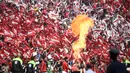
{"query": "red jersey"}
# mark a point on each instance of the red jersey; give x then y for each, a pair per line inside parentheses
(65, 66)
(43, 66)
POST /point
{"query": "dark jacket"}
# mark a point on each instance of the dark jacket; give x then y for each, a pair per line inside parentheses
(116, 67)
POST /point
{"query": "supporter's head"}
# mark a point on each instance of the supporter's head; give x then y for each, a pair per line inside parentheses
(124, 58)
(113, 53)
(43, 57)
(65, 58)
(19, 55)
(49, 57)
(33, 58)
(88, 66)
(3, 64)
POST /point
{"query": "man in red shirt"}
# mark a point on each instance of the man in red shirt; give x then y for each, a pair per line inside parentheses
(43, 68)
(65, 65)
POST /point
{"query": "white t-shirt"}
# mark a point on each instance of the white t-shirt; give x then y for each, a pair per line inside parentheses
(89, 71)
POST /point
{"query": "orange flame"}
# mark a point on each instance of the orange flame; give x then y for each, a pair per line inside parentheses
(80, 26)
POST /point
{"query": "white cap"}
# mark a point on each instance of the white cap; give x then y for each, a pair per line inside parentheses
(49, 56)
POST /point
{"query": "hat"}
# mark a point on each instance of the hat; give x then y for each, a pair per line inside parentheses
(114, 51)
(49, 56)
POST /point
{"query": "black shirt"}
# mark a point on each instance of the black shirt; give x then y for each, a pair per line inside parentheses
(116, 67)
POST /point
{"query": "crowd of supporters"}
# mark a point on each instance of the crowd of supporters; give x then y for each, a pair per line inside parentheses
(46, 64)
